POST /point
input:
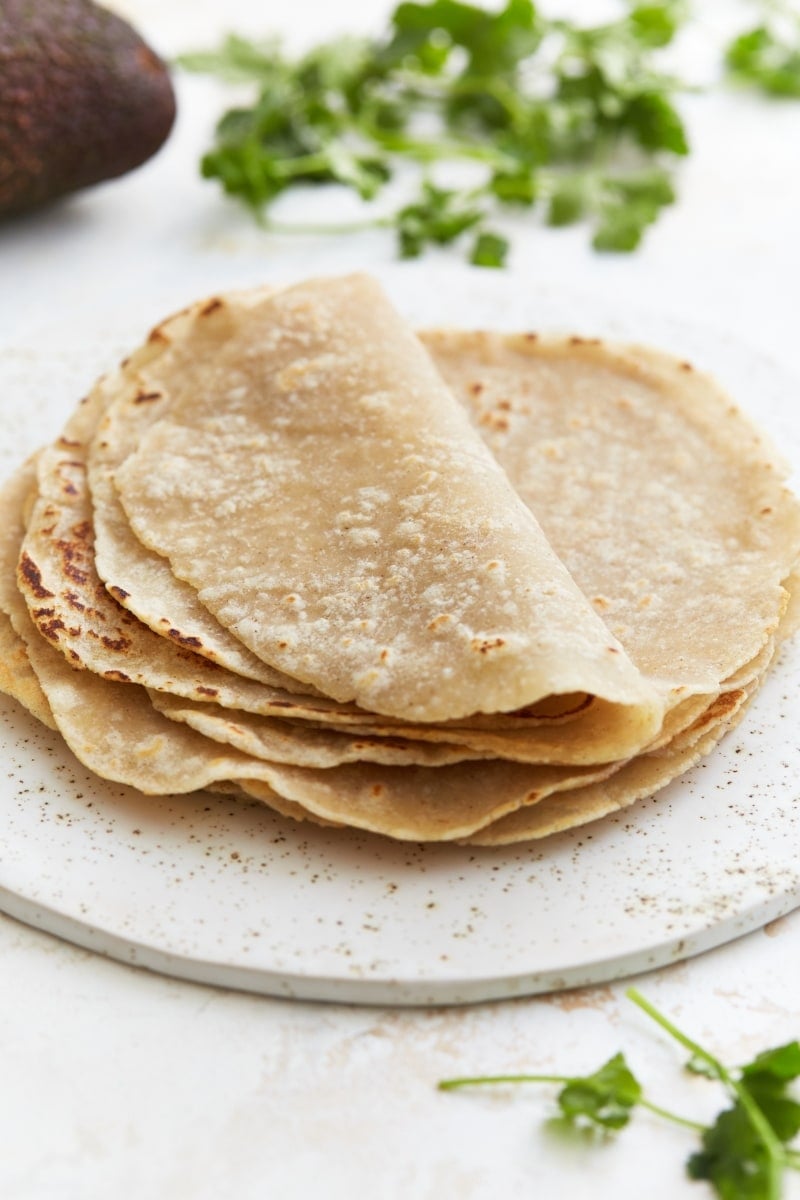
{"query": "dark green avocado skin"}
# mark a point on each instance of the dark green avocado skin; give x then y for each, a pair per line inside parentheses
(82, 99)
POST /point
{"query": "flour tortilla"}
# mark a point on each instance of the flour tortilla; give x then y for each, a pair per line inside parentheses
(562, 805)
(74, 611)
(665, 503)
(17, 677)
(138, 579)
(301, 744)
(417, 803)
(114, 730)
(641, 777)
(59, 579)
(136, 745)
(371, 544)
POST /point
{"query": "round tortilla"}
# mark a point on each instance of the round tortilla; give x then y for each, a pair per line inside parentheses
(666, 504)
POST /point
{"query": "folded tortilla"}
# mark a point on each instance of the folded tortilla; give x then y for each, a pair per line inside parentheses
(317, 484)
(78, 615)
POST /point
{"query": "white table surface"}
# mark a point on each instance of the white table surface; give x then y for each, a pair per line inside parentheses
(116, 1082)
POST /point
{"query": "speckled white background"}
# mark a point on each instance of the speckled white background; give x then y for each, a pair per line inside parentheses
(118, 1082)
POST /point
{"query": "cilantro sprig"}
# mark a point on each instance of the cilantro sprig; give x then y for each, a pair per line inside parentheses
(767, 56)
(743, 1155)
(575, 122)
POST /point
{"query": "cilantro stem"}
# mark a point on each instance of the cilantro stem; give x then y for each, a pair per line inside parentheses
(658, 1111)
(313, 228)
(775, 1151)
(436, 90)
(436, 151)
(450, 1085)
(693, 1048)
(505, 96)
(302, 164)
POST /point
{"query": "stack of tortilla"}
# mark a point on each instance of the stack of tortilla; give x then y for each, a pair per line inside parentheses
(454, 586)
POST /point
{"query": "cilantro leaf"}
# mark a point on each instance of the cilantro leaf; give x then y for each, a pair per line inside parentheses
(765, 60)
(766, 1079)
(655, 123)
(605, 1098)
(733, 1159)
(628, 204)
(517, 187)
(782, 1063)
(439, 216)
(567, 201)
(489, 250)
(656, 24)
(494, 42)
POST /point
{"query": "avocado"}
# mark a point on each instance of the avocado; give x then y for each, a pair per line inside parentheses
(82, 99)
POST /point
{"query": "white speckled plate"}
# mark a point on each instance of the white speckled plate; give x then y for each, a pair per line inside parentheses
(204, 888)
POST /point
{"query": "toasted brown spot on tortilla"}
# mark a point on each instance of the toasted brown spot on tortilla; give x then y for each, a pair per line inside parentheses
(33, 577)
(118, 645)
(211, 306)
(50, 628)
(484, 645)
(184, 639)
(71, 557)
(492, 420)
